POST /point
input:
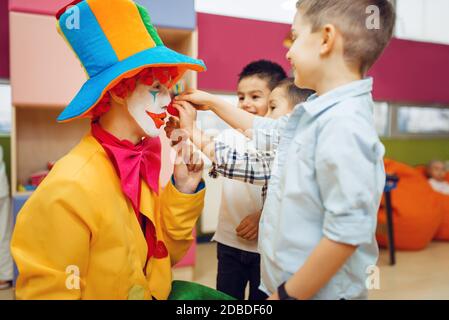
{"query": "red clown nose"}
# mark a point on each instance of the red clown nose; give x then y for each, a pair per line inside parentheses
(172, 110)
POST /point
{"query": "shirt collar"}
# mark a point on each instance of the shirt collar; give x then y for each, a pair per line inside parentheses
(316, 104)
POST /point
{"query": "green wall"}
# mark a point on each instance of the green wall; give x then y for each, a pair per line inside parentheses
(5, 143)
(417, 151)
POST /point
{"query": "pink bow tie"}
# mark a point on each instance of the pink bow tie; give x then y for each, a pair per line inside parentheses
(132, 162)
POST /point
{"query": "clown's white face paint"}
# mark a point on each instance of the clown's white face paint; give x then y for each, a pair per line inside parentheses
(148, 105)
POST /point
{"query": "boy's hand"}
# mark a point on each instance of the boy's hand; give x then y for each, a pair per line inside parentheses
(248, 229)
(188, 170)
(201, 99)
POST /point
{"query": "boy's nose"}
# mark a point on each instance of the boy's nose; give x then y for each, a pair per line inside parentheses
(246, 105)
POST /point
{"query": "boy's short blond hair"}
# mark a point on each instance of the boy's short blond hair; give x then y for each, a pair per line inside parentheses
(363, 42)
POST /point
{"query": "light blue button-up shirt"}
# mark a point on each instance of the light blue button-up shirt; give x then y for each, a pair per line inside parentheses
(327, 181)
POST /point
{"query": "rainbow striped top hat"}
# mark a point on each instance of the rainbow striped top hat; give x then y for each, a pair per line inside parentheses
(113, 39)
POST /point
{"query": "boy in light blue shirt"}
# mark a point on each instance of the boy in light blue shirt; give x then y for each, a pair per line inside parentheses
(317, 231)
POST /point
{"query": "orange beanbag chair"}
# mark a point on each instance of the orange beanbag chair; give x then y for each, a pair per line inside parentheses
(417, 210)
(443, 231)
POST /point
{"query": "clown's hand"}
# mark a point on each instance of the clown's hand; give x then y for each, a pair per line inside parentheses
(174, 132)
(188, 170)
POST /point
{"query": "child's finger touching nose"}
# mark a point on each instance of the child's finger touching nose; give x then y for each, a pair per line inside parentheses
(184, 95)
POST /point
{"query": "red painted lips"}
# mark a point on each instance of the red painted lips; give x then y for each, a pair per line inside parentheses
(158, 118)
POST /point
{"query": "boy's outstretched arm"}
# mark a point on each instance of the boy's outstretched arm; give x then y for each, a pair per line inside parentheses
(324, 262)
(184, 128)
(236, 118)
(251, 166)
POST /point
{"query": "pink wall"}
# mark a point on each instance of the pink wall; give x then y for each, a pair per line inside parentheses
(46, 7)
(227, 44)
(4, 40)
(41, 75)
(413, 72)
(408, 71)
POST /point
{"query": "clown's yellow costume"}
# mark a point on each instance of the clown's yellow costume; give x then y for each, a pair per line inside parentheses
(78, 218)
(93, 230)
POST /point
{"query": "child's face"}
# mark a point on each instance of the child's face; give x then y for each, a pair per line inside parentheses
(437, 171)
(253, 94)
(148, 105)
(304, 54)
(278, 105)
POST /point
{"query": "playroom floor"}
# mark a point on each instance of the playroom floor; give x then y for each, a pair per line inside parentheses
(417, 275)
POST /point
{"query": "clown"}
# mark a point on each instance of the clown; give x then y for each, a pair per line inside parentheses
(100, 226)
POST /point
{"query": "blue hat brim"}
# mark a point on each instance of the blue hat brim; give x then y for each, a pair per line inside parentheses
(94, 88)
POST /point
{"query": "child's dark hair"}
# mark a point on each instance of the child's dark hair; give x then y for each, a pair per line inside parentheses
(270, 71)
(295, 95)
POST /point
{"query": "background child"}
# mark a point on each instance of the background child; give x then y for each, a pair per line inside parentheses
(436, 171)
(317, 232)
(241, 204)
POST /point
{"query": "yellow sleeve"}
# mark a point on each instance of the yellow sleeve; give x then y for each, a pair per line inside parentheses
(50, 243)
(179, 213)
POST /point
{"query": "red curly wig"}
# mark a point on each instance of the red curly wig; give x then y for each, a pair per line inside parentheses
(126, 87)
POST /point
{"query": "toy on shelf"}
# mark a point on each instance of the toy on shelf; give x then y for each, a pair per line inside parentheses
(177, 90)
(36, 179)
(50, 164)
(26, 188)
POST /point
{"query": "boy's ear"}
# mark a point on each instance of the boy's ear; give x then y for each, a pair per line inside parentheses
(328, 38)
